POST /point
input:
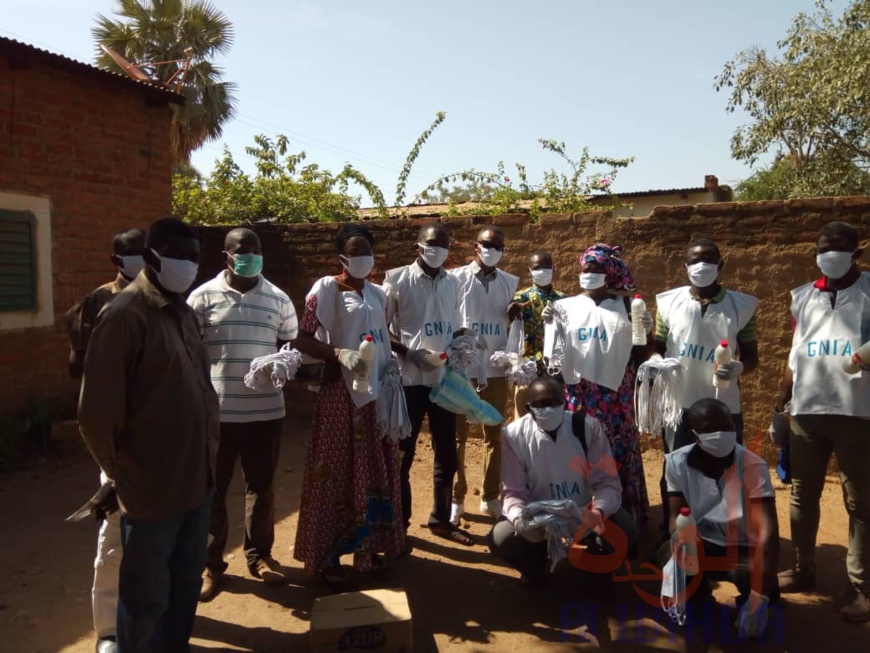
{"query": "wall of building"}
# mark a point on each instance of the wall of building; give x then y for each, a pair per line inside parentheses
(768, 248)
(643, 206)
(100, 156)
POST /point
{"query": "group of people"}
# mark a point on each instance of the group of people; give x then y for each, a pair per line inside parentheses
(166, 414)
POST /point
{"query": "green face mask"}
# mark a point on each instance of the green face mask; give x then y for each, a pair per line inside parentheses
(248, 265)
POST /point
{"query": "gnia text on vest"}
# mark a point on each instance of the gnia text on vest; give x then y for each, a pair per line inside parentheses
(835, 347)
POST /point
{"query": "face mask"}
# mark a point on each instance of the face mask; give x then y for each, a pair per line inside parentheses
(176, 275)
(542, 277)
(247, 265)
(359, 267)
(549, 418)
(131, 266)
(835, 265)
(489, 256)
(592, 280)
(702, 274)
(718, 443)
(433, 256)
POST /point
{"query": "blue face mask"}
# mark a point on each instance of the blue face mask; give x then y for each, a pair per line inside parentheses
(247, 265)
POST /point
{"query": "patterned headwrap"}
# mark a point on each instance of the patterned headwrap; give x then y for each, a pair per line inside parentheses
(618, 276)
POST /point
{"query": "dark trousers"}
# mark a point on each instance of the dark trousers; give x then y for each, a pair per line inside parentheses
(257, 444)
(160, 579)
(737, 572)
(442, 426)
(682, 437)
(529, 557)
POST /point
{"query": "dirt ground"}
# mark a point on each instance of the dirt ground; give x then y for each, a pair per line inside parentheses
(461, 598)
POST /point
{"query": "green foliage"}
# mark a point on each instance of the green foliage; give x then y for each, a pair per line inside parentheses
(559, 192)
(809, 105)
(784, 180)
(284, 189)
(148, 32)
(402, 183)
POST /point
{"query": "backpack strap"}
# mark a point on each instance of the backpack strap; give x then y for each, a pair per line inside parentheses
(578, 426)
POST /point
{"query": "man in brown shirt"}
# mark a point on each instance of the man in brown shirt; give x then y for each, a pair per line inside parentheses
(149, 416)
(128, 246)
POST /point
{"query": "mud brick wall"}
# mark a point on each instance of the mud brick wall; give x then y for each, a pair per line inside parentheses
(768, 248)
(98, 149)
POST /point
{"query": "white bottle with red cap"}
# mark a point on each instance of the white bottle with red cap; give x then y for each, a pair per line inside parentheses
(638, 311)
(436, 359)
(861, 357)
(722, 356)
(367, 353)
(687, 534)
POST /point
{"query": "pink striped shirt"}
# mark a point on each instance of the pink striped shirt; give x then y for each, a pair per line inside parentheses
(534, 467)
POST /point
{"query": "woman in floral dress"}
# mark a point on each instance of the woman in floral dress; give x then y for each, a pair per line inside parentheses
(351, 500)
(605, 387)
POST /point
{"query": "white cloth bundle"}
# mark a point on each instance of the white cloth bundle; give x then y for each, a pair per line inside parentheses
(555, 520)
(674, 586)
(391, 408)
(467, 354)
(519, 370)
(273, 370)
(659, 406)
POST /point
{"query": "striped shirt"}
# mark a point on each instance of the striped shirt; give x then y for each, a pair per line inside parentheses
(236, 328)
(537, 467)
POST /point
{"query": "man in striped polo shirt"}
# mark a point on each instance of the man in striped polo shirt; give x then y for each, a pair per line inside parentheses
(242, 316)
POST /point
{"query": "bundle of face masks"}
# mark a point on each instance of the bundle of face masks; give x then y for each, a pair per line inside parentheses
(392, 411)
(467, 354)
(519, 370)
(658, 394)
(273, 370)
(673, 594)
(556, 521)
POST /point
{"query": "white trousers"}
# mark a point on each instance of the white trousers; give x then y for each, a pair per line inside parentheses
(107, 564)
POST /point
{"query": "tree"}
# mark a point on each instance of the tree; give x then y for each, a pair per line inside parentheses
(810, 105)
(284, 189)
(558, 192)
(152, 31)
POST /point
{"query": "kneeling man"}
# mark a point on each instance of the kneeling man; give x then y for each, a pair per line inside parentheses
(552, 454)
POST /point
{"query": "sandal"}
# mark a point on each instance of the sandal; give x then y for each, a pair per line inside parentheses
(334, 576)
(451, 532)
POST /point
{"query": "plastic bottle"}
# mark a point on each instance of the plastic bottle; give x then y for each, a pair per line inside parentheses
(436, 359)
(687, 533)
(861, 357)
(722, 356)
(638, 310)
(367, 353)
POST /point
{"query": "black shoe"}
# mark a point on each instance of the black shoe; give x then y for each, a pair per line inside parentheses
(795, 581)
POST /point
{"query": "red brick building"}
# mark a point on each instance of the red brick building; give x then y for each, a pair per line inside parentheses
(83, 153)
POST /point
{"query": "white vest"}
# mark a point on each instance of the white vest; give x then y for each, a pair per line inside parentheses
(824, 337)
(595, 341)
(484, 309)
(423, 313)
(718, 503)
(347, 319)
(548, 464)
(693, 338)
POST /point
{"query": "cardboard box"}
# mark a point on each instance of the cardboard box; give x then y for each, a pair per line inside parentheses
(375, 620)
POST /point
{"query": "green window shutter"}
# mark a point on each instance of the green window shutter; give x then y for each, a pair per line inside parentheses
(17, 261)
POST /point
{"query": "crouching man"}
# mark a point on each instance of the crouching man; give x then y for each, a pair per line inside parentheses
(552, 454)
(728, 492)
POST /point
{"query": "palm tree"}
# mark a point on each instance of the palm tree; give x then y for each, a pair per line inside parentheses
(151, 31)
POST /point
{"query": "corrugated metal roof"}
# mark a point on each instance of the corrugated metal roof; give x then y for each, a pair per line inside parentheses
(13, 48)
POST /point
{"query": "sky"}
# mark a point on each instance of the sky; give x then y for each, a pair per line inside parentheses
(353, 81)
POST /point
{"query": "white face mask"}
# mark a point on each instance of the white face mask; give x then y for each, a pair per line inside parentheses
(489, 256)
(549, 418)
(176, 275)
(592, 280)
(702, 275)
(359, 267)
(718, 443)
(835, 265)
(432, 255)
(542, 277)
(131, 266)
